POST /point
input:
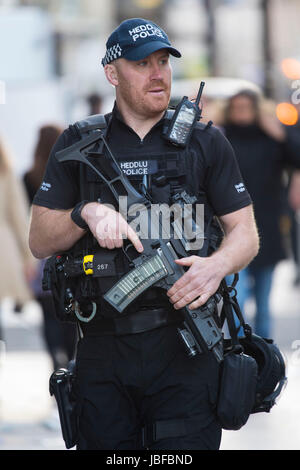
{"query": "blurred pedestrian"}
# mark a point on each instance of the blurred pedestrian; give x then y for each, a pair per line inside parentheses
(293, 200)
(94, 101)
(59, 337)
(17, 265)
(294, 204)
(263, 150)
(294, 190)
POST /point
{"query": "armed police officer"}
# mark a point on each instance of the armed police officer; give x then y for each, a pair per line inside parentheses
(135, 386)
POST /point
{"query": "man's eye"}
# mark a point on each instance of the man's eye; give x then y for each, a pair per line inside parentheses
(142, 64)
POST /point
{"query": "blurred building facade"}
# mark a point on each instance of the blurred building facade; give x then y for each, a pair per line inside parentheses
(233, 27)
(51, 50)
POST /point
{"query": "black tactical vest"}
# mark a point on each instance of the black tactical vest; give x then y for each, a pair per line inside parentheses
(169, 173)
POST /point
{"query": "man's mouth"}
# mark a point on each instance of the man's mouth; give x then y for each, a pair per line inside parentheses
(157, 91)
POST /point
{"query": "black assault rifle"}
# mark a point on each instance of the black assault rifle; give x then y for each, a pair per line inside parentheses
(155, 266)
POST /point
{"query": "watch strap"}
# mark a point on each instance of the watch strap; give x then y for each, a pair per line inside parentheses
(76, 215)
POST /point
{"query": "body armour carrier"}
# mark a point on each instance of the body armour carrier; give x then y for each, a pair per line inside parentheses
(170, 173)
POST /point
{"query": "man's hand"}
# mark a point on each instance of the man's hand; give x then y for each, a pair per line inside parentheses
(109, 227)
(202, 279)
(197, 285)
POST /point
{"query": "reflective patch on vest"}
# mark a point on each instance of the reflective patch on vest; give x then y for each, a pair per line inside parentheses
(139, 167)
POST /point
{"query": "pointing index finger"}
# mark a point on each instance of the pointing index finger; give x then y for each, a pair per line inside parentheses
(133, 237)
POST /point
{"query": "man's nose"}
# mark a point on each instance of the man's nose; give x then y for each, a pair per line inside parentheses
(155, 73)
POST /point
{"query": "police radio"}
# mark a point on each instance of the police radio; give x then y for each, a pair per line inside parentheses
(185, 117)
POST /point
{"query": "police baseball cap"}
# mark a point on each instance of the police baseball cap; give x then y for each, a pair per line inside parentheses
(135, 39)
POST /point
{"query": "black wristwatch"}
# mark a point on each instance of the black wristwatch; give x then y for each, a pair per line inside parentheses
(76, 215)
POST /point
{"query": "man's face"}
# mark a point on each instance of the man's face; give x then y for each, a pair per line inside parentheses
(145, 85)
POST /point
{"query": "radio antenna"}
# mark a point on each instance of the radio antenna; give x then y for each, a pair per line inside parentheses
(199, 93)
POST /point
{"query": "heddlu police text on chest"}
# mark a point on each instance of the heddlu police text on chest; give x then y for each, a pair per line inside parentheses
(145, 30)
(135, 168)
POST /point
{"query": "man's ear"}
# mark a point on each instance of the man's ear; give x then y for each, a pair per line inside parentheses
(111, 74)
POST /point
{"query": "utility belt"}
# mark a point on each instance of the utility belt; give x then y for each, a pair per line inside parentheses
(95, 316)
(79, 283)
(138, 322)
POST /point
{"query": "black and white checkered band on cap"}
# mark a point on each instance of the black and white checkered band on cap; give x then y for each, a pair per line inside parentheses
(112, 53)
(134, 39)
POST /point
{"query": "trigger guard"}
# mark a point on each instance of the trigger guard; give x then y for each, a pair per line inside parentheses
(129, 245)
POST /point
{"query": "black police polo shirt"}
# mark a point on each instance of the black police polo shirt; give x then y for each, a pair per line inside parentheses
(213, 165)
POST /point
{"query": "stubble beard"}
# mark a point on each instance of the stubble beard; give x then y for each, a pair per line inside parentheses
(142, 103)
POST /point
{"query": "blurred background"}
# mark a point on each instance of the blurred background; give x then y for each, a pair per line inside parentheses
(50, 76)
(51, 51)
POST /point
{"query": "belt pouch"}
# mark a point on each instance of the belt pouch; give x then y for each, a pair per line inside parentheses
(237, 389)
(239, 372)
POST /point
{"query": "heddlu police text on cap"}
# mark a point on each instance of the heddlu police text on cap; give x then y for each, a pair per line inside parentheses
(145, 30)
